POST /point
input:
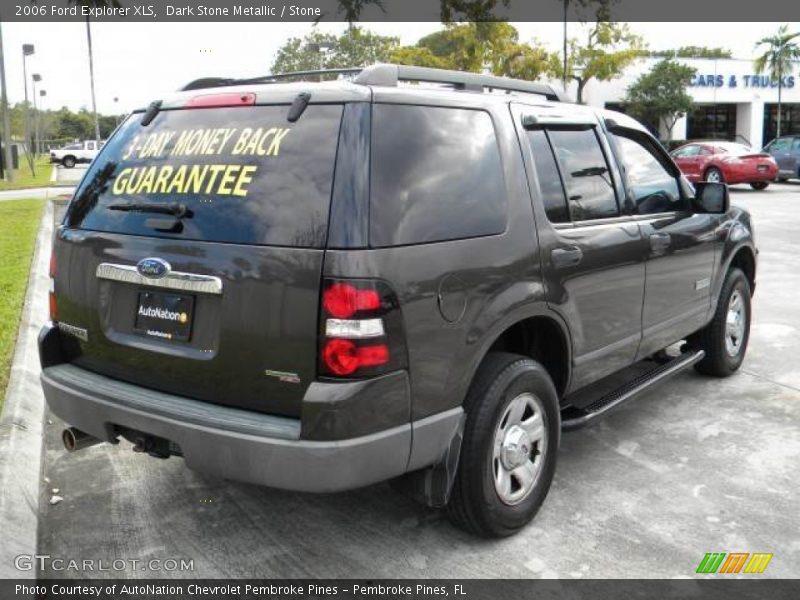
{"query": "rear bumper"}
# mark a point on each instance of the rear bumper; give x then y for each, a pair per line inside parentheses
(243, 445)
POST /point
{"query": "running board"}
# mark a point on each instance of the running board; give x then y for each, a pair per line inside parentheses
(577, 418)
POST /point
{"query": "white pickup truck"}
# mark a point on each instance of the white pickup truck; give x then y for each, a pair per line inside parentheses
(79, 152)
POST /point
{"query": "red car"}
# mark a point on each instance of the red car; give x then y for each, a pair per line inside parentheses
(728, 162)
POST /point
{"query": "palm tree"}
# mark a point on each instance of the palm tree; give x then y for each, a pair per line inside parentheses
(778, 59)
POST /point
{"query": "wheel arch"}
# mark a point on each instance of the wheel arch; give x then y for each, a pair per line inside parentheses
(535, 334)
(741, 255)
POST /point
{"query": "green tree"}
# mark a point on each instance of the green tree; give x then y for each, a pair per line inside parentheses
(609, 49)
(692, 52)
(780, 52)
(479, 46)
(356, 47)
(660, 96)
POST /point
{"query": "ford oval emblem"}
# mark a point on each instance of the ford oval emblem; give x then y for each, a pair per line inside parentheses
(153, 268)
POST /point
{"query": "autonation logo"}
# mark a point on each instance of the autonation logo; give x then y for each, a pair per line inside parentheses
(162, 313)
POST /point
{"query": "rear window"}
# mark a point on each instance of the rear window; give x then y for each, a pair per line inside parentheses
(436, 175)
(244, 175)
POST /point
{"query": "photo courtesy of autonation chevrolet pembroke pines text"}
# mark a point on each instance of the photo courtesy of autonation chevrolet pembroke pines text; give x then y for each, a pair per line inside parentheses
(380, 299)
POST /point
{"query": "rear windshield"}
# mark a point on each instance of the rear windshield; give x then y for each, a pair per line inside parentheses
(239, 175)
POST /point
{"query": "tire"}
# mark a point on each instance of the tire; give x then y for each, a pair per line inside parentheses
(723, 357)
(759, 185)
(68, 162)
(783, 179)
(713, 174)
(506, 386)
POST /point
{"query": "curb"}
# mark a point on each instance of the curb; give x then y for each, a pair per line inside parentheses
(22, 420)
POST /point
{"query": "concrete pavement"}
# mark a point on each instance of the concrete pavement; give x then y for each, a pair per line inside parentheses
(21, 425)
(698, 465)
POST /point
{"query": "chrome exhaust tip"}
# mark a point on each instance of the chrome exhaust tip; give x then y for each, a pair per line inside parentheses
(75, 439)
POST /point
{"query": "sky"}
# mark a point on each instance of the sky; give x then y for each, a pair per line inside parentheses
(136, 63)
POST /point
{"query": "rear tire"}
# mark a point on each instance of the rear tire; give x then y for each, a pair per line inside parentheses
(713, 174)
(68, 162)
(759, 185)
(725, 338)
(508, 455)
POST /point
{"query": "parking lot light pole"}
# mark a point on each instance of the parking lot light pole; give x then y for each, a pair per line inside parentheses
(36, 79)
(27, 50)
(42, 95)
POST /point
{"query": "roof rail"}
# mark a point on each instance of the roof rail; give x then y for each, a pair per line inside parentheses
(390, 75)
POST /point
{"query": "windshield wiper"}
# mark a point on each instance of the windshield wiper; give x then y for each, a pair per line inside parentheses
(175, 209)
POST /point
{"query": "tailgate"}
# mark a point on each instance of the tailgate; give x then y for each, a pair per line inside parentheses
(191, 254)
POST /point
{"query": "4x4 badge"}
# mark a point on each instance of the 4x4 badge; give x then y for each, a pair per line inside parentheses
(153, 268)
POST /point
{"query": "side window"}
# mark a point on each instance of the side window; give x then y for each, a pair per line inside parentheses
(687, 151)
(552, 192)
(587, 179)
(704, 150)
(90, 145)
(653, 188)
(436, 175)
(780, 145)
(796, 144)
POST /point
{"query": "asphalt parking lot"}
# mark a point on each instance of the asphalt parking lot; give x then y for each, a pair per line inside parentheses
(698, 465)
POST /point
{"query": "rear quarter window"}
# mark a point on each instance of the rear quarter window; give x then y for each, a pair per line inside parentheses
(436, 175)
(245, 175)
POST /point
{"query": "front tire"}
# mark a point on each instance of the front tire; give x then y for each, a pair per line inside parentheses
(508, 455)
(725, 338)
(714, 175)
(759, 185)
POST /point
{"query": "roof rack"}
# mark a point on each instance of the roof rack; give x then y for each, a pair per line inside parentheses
(390, 75)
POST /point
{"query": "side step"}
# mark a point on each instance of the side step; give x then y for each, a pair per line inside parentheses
(577, 418)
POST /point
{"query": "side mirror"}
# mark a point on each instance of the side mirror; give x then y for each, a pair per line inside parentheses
(712, 197)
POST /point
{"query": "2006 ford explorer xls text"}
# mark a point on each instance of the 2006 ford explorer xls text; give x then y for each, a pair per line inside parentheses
(403, 273)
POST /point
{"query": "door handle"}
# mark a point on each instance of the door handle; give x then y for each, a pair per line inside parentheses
(566, 257)
(659, 242)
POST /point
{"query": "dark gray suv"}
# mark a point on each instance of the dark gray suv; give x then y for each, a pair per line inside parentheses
(786, 152)
(405, 274)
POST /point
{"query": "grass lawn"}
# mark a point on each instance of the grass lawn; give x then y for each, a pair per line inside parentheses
(19, 223)
(24, 179)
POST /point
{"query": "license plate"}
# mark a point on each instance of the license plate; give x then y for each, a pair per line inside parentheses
(762, 167)
(164, 316)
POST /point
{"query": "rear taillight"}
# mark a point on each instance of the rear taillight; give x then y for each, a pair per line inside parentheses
(52, 295)
(361, 332)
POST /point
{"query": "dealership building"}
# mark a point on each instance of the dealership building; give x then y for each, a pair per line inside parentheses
(731, 101)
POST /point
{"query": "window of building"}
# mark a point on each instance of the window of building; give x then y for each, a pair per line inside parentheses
(790, 120)
(652, 187)
(436, 175)
(713, 122)
(586, 174)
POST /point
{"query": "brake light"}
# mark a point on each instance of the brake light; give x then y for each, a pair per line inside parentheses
(342, 300)
(219, 100)
(52, 295)
(361, 332)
